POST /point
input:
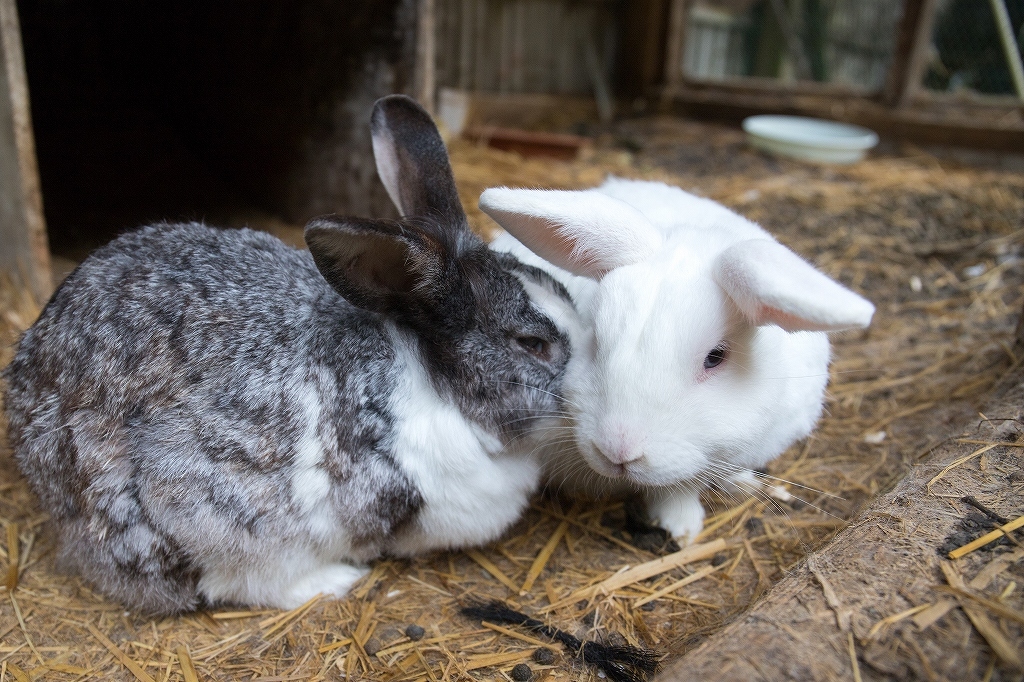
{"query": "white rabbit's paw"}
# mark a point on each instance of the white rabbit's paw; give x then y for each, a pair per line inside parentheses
(681, 514)
(335, 579)
(746, 481)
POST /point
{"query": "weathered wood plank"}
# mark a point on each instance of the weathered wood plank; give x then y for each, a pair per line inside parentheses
(847, 606)
(919, 53)
(899, 73)
(642, 54)
(426, 51)
(525, 46)
(24, 251)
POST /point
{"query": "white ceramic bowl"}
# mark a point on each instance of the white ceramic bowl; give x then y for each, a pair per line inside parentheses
(810, 139)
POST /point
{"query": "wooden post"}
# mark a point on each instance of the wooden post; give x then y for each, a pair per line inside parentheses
(24, 252)
(1009, 42)
(916, 62)
(426, 54)
(642, 56)
(1018, 333)
(906, 35)
(674, 46)
(794, 44)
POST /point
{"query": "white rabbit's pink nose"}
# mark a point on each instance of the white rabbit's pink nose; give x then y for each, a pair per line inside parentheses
(615, 463)
(619, 449)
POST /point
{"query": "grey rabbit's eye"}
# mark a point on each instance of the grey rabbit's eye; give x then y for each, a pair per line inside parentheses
(716, 356)
(536, 346)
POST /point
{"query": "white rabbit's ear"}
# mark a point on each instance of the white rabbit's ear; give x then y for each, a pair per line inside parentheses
(586, 233)
(772, 285)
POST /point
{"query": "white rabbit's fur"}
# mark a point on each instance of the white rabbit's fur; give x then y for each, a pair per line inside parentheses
(466, 476)
(667, 276)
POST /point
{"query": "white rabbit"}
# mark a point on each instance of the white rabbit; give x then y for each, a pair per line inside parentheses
(706, 356)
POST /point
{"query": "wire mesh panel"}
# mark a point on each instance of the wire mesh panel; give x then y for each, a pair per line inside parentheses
(861, 40)
(833, 41)
(716, 43)
(525, 46)
(971, 50)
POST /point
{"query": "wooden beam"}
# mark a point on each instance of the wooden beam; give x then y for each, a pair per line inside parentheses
(675, 44)
(425, 70)
(25, 254)
(644, 39)
(918, 56)
(1009, 42)
(932, 119)
(906, 36)
(800, 629)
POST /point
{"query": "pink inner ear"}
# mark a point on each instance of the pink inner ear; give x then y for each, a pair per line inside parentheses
(792, 323)
(788, 321)
(567, 247)
(551, 241)
(584, 232)
(570, 256)
(386, 159)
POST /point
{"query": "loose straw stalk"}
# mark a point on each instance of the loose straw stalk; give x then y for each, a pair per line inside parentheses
(1003, 648)
(542, 558)
(645, 570)
(987, 538)
(12, 556)
(188, 669)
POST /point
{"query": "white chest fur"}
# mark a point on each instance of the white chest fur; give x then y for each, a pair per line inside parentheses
(472, 487)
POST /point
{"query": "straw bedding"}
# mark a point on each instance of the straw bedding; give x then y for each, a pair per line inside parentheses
(937, 246)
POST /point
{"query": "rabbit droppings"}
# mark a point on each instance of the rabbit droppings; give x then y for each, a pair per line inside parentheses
(705, 356)
(211, 416)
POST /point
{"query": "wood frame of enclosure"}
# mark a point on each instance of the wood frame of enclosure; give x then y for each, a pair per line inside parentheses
(650, 66)
(900, 108)
(24, 251)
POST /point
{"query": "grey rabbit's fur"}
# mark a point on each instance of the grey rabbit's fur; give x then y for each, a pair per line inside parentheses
(209, 415)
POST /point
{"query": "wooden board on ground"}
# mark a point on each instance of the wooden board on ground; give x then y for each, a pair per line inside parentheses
(883, 600)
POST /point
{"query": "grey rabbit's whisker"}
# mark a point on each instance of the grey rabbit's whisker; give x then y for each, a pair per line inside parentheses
(558, 397)
(538, 417)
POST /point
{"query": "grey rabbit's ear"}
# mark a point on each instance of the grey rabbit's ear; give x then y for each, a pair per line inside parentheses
(374, 264)
(412, 160)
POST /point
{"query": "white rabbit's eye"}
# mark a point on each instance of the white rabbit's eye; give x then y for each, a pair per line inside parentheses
(716, 356)
(535, 345)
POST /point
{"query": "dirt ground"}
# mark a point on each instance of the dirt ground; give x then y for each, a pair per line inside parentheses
(936, 245)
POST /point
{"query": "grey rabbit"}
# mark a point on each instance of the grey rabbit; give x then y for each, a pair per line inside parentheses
(212, 416)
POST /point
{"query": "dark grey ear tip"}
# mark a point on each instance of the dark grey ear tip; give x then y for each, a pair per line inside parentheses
(324, 221)
(333, 223)
(395, 108)
(319, 226)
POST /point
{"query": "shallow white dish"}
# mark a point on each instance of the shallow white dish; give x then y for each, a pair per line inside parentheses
(810, 139)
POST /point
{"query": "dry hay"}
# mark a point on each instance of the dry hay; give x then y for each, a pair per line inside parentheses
(936, 246)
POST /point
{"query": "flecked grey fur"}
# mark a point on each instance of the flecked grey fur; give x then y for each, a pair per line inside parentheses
(157, 405)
